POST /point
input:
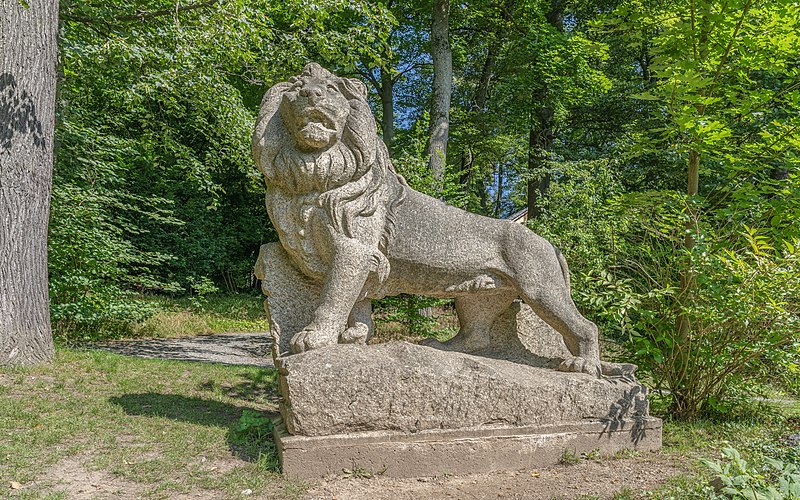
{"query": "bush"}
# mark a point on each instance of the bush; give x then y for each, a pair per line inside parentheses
(774, 480)
(410, 311)
(741, 306)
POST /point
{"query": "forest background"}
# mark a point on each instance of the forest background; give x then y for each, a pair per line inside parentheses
(654, 141)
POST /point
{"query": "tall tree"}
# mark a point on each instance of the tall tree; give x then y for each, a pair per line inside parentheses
(442, 57)
(541, 133)
(27, 120)
(724, 77)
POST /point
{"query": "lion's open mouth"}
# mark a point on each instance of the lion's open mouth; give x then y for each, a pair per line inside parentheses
(318, 118)
(316, 127)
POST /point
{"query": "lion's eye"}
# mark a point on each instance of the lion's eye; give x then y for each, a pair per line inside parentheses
(332, 87)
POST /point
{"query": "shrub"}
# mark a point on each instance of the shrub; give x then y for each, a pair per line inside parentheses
(737, 478)
(741, 305)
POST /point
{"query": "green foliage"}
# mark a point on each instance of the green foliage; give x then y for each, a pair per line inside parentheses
(411, 312)
(742, 307)
(575, 218)
(703, 284)
(254, 435)
(94, 267)
(254, 426)
(569, 457)
(201, 287)
(740, 479)
(155, 189)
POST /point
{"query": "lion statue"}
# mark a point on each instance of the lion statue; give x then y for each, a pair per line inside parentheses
(351, 227)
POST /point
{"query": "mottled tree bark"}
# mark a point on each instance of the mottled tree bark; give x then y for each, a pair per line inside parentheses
(539, 140)
(442, 88)
(28, 56)
(387, 102)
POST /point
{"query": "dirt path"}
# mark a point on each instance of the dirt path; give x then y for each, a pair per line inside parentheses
(587, 479)
(228, 348)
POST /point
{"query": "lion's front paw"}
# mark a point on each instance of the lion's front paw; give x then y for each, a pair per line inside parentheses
(580, 365)
(311, 338)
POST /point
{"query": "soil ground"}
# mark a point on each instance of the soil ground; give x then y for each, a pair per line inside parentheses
(605, 478)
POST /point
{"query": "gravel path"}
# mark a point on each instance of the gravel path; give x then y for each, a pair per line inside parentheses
(227, 348)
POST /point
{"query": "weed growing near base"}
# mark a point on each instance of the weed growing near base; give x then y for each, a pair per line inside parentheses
(569, 457)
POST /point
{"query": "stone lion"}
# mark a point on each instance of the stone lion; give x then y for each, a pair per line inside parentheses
(352, 230)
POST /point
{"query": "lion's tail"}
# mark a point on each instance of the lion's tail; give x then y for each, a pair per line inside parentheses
(564, 268)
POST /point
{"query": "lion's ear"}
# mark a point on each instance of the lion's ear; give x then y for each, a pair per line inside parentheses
(356, 87)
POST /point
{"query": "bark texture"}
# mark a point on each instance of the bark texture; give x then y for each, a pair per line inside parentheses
(28, 56)
(442, 87)
(387, 102)
(539, 140)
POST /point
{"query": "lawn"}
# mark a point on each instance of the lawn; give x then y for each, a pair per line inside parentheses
(97, 424)
(138, 428)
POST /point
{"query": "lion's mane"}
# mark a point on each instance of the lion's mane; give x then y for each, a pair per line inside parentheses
(350, 179)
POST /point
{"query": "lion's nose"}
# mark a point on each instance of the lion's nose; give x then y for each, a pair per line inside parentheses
(312, 91)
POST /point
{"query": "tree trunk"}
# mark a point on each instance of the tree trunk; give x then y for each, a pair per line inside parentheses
(683, 403)
(539, 140)
(498, 197)
(467, 163)
(482, 90)
(542, 133)
(442, 88)
(27, 120)
(387, 102)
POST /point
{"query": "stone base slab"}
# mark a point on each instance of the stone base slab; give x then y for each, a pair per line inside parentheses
(458, 451)
(397, 386)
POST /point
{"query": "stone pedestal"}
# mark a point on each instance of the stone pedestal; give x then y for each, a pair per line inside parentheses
(459, 451)
(408, 410)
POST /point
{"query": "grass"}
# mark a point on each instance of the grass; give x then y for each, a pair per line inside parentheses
(443, 326)
(151, 428)
(213, 314)
(161, 429)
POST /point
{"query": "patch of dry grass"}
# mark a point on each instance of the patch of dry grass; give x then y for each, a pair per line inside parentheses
(214, 314)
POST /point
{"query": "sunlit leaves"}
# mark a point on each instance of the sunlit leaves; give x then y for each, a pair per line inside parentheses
(155, 187)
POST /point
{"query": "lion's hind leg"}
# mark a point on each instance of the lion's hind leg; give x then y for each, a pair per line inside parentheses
(540, 275)
(360, 326)
(476, 313)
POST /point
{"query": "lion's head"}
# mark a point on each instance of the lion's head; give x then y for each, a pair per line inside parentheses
(316, 132)
(316, 108)
(317, 144)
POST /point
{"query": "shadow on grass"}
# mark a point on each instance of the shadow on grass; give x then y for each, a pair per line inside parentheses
(260, 387)
(243, 442)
